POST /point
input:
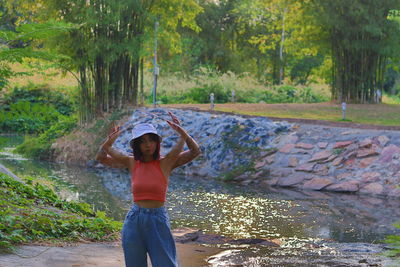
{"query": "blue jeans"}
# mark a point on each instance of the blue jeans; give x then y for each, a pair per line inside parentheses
(148, 231)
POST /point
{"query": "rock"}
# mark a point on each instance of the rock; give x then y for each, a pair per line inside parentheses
(372, 188)
(186, 234)
(350, 162)
(286, 148)
(344, 175)
(388, 153)
(323, 155)
(350, 132)
(317, 183)
(332, 157)
(363, 153)
(257, 175)
(291, 180)
(270, 182)
(293, 161)
(367, 161)
(246, 182)
(322, 145)
(256, 241)
(321, 169)
(350, 186)
(259, 164)
(383, 140)
(270, 159)
(366, 143)
(337, 161)
(394, 192)
(342, 144)
(280, 172)
(305, 167)
(368, 177)
(304, 146)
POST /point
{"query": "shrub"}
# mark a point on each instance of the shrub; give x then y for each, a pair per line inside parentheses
(197, 88)
(34, 212)
(40, 147)
(42, 94)
(25, 117)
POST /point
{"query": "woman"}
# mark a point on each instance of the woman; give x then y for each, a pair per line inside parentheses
(146, 228)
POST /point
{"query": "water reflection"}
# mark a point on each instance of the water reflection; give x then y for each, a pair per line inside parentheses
(234, 211)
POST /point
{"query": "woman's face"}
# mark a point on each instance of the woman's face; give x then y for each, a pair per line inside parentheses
(147, 145)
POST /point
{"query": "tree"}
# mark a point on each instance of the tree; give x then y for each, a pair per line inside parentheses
(112, 39)
(361, 37)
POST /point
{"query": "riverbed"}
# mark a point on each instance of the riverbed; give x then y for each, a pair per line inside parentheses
(314, 228)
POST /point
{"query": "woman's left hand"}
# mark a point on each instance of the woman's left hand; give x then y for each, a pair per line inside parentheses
(174, 118)
(178, 129)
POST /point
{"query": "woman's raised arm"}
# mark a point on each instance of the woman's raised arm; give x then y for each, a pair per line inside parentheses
(113, 157)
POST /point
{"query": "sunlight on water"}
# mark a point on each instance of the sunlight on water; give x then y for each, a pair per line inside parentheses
(235, 216)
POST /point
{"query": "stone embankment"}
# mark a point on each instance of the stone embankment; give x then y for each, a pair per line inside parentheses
(255, 150)
(334, 159)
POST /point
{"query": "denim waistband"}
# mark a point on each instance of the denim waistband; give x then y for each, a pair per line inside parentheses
(137, 208)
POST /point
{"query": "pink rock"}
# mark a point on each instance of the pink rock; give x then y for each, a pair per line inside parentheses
(350, 186)
(293, 161)
(257, 175)
(370, 177)
(388, 152)
(291, 180)
(321, 169)
(317, 183)
(337, 161)
(383, 140)
(323, 155)
(322, 145)
(270, 182)
(306, 167)
(372, 188)
(259, 164)
(363, 153)
(270, 159)
(185, 234)
(367, 161)
(342, 144)
(304, 146)
(286, 148)
(350, 162)
(366, 143)
(332, 157)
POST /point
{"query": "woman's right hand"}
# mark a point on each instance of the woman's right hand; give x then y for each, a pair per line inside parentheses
(114, 132)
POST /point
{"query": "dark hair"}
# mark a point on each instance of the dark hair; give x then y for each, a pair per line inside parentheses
(135, 145)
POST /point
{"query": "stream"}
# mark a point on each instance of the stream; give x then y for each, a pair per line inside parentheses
(315, 228)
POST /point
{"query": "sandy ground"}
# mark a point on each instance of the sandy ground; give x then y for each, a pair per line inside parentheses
(95, 254)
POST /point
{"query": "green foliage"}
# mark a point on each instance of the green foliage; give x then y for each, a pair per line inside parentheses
(394, 241)
(34, 212)
(40, 147)
(197, 88)
(33, 109)
(24, 117)
(42, 94)
(32, 33)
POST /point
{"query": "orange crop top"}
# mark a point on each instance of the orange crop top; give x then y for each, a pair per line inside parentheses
(148, 182)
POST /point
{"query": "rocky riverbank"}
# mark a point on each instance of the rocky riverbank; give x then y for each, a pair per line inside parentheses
(256, 150)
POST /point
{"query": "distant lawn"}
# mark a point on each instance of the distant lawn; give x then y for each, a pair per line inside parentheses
(378, 114)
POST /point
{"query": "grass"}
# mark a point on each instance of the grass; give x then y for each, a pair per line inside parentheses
(378, 114)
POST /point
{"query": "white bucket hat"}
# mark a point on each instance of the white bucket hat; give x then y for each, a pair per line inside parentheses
(142, 129)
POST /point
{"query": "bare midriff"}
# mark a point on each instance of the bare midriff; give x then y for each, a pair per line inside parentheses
(149, 204)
